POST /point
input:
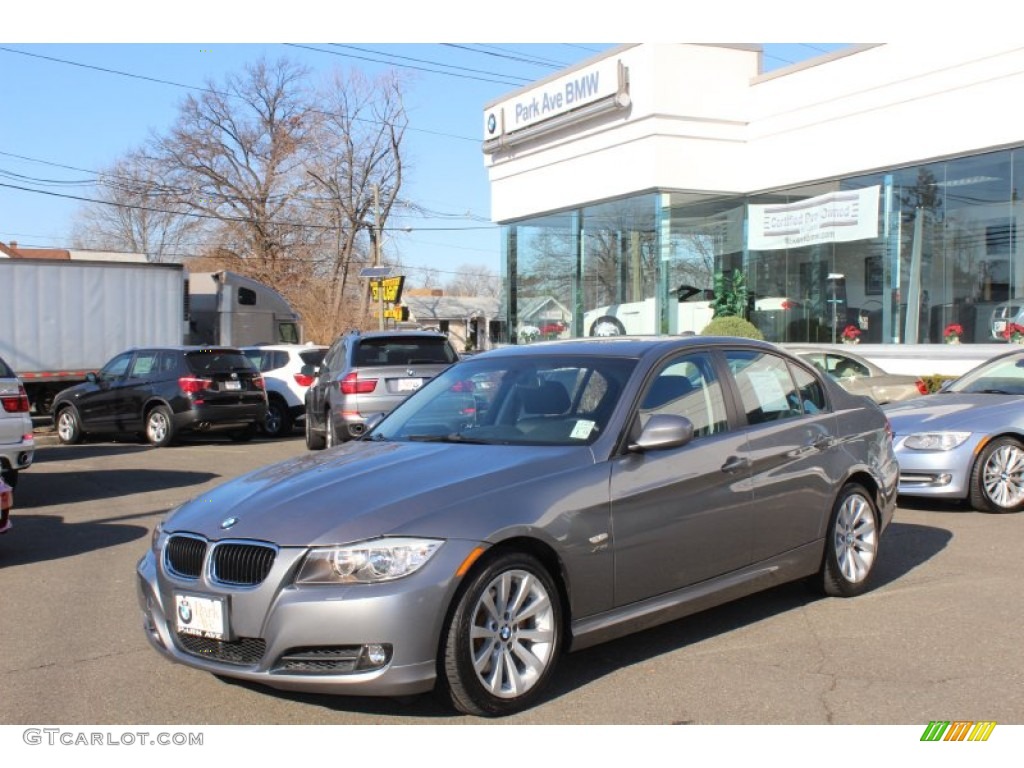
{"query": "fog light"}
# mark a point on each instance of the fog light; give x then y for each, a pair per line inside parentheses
(944, 479)
(374, 656)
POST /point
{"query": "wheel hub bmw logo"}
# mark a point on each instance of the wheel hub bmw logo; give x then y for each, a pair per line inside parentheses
(229, 522)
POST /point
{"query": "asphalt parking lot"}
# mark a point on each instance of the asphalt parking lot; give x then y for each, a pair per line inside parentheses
(938, 637)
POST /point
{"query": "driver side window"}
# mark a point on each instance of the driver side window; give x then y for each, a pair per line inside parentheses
(687, 386)
(116, 367)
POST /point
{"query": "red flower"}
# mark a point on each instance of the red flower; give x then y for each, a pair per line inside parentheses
(851, 332)
(953, 330)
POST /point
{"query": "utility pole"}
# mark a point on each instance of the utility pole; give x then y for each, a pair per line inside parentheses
(377, 254)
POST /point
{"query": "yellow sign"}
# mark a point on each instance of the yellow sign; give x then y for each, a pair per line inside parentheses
(398, 313)
(392, 287)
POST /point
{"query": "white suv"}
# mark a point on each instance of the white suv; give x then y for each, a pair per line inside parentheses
(281, 366)
(17, 445)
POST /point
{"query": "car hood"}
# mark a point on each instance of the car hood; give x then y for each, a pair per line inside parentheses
(364, 489)
(942, 411)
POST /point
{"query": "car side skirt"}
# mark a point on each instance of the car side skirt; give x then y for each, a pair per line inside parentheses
(790, 566)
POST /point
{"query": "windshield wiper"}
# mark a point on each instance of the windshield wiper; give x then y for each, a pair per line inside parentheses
(454, 437)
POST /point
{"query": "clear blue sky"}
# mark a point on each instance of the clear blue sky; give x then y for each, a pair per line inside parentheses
(72, 113)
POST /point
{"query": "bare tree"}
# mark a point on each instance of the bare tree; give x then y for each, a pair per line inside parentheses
(136, 214)
(474, 280)
(358, 170)
(238, 152)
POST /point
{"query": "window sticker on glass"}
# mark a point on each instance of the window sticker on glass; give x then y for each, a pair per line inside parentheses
(582, 429)
(769, 391)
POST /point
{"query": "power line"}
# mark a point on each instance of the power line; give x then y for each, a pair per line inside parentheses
(507, 53)
(426, 61)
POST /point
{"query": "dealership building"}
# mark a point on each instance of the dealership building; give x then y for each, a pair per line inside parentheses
(871, 192)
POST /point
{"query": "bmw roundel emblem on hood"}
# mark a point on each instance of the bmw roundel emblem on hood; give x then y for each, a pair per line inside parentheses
(229, 522)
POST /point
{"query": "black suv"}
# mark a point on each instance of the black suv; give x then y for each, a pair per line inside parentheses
(165, 391)
(364, 374)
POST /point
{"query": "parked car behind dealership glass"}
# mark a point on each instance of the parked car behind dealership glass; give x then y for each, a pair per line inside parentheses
(862, 377)
(285, 382)
(966, 441)
(368, 374)
(17, 444)
(525, 502)
(162, 392)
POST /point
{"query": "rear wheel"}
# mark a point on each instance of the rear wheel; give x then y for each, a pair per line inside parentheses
(159, 426)
(69, 428)
(278, 421)
(851, 545)
(997, 480)
(607, 326)
(504, 637)
(314, 441)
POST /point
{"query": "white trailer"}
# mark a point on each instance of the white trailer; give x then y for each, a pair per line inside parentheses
(62, 319)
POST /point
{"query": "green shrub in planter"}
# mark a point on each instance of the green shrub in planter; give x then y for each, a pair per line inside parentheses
(732, 326)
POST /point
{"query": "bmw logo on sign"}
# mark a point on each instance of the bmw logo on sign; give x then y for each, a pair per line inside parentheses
(492, 123)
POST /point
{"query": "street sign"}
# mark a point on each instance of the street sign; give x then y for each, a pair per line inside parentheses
(397, 313)
(391, 288)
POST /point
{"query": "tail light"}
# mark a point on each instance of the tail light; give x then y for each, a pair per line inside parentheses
(303, 380)
(191, 384)
(787, 304)
(257, 381)
(921, 386)
(353, 385)
(15, 403)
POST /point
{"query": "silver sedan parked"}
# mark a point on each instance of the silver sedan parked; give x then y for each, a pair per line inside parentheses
(525, 502)
(966, 441)
(862, 377)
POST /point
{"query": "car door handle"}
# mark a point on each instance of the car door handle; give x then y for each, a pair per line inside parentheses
(735, 464)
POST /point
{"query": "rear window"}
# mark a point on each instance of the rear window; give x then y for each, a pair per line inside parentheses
(404, 351)
(312, 356)
(218, 361)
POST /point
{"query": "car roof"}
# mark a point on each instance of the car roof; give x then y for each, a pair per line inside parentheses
(623, 346)
(284, 347)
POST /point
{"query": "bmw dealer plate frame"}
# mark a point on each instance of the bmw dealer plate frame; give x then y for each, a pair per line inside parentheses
(201, 615)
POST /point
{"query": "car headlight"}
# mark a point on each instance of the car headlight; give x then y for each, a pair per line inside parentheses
(935, 441)
(367, 562)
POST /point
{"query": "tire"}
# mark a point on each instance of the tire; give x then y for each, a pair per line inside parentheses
(159, 426)
(245, 434)
(997, 479)
(607, 326)
(330, 438)
(278, 422)
(314, 442)
(851, 544)
(494, 663)
(69, 427)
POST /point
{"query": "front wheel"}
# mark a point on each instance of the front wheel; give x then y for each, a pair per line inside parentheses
(851, 545)
(69, 428)
(607, 326)
(997, 480)
(159, 427)
(503, 638)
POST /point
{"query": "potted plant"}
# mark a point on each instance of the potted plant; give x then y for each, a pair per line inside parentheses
(1014, 333)
(952, 333)
(851, 335)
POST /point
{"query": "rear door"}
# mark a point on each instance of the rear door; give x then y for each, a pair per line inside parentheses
(791, 436)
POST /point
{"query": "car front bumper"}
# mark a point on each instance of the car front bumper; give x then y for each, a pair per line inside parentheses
(308, 638)
(937, 474)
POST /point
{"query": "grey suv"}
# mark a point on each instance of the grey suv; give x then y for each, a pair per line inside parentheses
(364, 374)
(17, 444)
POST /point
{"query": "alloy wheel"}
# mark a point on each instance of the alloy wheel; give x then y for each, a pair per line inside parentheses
(855, 538)
(1003, 476)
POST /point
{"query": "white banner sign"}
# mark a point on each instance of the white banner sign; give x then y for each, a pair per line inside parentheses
(837, 217)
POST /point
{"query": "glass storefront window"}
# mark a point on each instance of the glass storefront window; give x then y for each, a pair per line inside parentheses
(944, 254)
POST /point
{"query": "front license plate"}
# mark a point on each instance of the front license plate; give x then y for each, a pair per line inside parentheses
(409, 385)
(232, 385)
(200, 616)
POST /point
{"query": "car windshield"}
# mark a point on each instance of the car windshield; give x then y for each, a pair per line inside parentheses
(1003, 376)
(565, 400)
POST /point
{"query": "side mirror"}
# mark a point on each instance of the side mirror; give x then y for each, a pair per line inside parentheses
(663, 431)
(92, 378)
